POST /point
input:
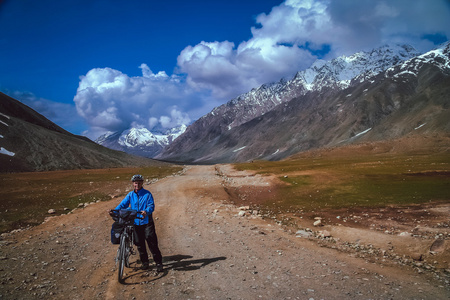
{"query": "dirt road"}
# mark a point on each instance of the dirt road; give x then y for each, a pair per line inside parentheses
(210, 252)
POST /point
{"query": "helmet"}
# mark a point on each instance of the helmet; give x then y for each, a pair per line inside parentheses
(137, 178)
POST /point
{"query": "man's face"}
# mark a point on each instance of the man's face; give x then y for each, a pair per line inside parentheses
(137, 185)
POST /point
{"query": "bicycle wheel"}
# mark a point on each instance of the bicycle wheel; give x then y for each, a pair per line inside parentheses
(121, 257)
(127, 253)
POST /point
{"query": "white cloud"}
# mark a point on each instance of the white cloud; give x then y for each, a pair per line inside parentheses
(111, 101)
(176, 118)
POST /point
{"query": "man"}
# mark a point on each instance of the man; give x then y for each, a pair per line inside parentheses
(141, 200)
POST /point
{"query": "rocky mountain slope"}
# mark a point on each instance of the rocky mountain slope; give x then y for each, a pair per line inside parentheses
(140, 141)
(30, 142)
(370, 96)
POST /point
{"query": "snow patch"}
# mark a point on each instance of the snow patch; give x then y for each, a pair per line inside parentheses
(419, 126)
(239, 149)
(6, 152)
(3, 115)
(404, 72)
(363, 132)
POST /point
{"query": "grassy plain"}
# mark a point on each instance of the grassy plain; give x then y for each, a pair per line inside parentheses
(25, 198)
(335, 181)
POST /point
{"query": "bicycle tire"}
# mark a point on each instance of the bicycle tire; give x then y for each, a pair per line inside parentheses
(127, 253)
(121, 257)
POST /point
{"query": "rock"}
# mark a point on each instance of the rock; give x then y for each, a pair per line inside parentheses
(417, 257)
(244, 208)
(318, 223)
(51, 211)
(241, 213)
(437, 246)
(303, 233)
(324, 234)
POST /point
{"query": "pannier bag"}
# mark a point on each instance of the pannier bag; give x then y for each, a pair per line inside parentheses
(116, 231)
(122, 218)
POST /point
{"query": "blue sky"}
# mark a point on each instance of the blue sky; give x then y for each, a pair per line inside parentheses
(93, 66)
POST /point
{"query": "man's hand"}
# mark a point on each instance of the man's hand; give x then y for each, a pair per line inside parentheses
(144, 213)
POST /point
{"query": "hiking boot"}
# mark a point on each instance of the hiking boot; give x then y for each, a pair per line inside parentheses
(159, 268)
(145, 266)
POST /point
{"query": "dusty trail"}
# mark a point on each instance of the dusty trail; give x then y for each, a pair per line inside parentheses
(209, 252)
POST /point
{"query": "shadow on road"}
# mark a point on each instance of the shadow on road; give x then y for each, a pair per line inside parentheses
(186, 263)
(174, 262)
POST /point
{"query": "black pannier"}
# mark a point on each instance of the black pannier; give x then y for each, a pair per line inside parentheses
(116, 231)
(122, 218)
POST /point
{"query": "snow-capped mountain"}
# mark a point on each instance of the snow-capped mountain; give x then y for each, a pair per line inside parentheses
(307, 104)
(337, 73)
(140, 141)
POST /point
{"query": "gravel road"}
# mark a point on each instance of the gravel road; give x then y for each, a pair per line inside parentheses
(210, 251)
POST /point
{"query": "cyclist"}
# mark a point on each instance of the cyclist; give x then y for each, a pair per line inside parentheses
(141, 200)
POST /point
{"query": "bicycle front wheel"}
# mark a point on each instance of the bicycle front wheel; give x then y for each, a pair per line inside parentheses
(127, 254)
(122, 258)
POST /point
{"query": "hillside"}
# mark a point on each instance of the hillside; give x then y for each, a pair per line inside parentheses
(30, 142)
(376, 96)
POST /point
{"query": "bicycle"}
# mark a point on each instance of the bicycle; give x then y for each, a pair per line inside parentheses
(125, 217)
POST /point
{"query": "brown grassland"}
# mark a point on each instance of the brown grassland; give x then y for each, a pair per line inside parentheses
(326, 182)
(26, 198)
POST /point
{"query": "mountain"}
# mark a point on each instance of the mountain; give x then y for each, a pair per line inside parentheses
(140, 141)
(31, 142)
(383, 94)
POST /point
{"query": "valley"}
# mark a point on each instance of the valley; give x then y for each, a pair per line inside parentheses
(226, 234)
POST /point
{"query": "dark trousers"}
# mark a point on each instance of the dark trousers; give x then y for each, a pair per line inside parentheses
(147, 233)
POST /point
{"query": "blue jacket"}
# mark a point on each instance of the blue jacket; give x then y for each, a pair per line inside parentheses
(142, 200)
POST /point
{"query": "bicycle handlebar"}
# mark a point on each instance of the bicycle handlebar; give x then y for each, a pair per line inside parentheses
(116, 213)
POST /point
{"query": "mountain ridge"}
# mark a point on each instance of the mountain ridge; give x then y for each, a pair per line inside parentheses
(224, 135)
(31, 142)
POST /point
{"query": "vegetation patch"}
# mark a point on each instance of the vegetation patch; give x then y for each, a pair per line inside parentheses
(26, 198)
(312, 184)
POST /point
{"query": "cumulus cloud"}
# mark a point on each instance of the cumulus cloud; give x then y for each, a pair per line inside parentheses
(176, 118)
(111, 101)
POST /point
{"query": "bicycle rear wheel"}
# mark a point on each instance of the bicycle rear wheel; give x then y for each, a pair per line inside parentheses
(122, 258)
